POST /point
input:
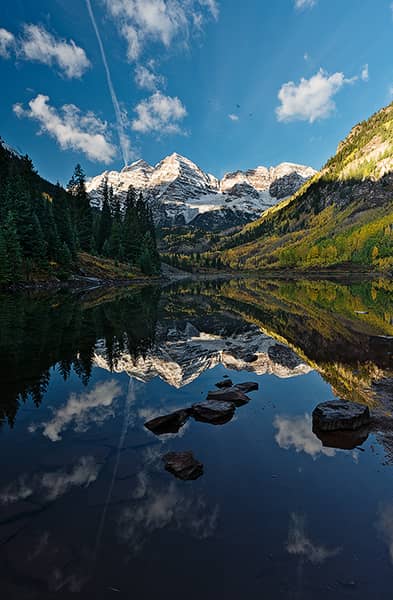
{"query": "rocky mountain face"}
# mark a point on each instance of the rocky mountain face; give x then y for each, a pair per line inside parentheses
(180, 193)
(182, 352)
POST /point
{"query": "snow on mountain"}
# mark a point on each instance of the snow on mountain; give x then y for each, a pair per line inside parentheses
(182, 355)
(179, 192)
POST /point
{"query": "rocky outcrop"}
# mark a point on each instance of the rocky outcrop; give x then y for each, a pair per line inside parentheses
(232, 394)
(215, 412)
(168, 423)
(183, 465)
(340, 414)
(247, 386)
(225, 383)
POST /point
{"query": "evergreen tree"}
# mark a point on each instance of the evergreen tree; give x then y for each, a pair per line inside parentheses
(12, 248)
(82, 209)
(105, 221)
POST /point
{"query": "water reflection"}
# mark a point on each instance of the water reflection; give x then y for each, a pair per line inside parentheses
(299, 543)
(157, 504)
(296, 433)
(50, 486)
(70, 355)
(81, 411)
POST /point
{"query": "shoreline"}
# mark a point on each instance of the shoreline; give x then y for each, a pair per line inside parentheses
(165, 279)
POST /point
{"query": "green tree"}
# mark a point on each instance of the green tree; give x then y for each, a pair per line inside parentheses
(82, 209)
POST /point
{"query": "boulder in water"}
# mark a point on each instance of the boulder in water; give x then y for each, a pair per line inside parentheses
(168, 423)
(215, 412)
(340, 414)
(183, 465)
(226, 383)
(232, 394)
(247, 386)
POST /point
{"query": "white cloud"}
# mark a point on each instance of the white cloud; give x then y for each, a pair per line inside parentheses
(311, 99)
(37, 44)
(81, 411)
(160, 114)
(72, 129)
(7, 41)
(302, 4)
(364, 74)
(299, 544)
(157, 20)
(146, 79)
(233, 117)
(391, 91)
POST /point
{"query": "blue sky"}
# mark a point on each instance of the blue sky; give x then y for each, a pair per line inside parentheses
(230, 85)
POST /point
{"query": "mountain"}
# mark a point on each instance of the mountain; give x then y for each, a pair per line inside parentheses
(180, 193)
(342, 216)
(183, 352)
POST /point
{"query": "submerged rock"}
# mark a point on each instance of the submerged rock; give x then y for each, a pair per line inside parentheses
(224, 384)
(340, 414)
(215, 412)
(168, 423)
(183, 465)
(247, 386)
(232, 394)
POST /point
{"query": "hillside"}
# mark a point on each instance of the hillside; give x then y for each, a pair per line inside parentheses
(341, 217)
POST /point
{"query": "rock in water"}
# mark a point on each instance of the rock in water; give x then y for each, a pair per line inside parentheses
(214, 412)
(340, 414)
(224, 384)
(168, 423)
(232, 394)
(247, 386)
(183, 465)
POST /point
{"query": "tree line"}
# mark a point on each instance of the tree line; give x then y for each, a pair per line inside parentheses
(43, 226)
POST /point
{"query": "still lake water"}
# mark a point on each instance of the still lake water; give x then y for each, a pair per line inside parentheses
(86, 506)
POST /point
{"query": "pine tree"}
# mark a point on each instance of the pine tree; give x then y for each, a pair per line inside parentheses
(5, 265)
(105, 220)
(12, 247)
(82, 209)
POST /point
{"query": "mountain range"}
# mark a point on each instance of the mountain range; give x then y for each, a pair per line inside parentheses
(183, 352)
(180, 193)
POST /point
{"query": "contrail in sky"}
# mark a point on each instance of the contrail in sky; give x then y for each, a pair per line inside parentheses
(123, 140)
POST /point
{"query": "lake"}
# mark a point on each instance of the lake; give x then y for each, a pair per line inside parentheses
(86, 505)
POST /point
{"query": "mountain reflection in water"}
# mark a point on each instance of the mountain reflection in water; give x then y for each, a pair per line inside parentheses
(85, 503)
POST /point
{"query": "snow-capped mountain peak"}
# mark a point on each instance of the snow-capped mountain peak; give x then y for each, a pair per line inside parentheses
(179, 192)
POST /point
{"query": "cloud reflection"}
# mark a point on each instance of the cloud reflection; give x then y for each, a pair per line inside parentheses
(157, 504)
(385, 526)
(81, 411)
(51, 485)
(299, 544)
(296, 432)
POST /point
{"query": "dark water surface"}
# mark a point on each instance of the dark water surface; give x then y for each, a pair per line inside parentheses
(86, 506)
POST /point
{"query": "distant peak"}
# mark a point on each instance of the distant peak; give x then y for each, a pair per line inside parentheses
(138, 164)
